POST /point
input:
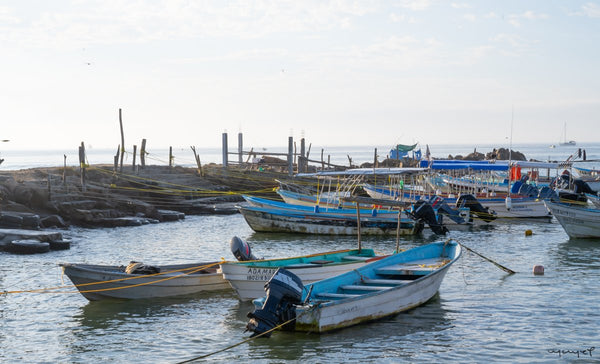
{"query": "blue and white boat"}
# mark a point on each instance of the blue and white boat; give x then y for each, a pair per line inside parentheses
(268, 219)
(382, 288)
(248, 277)
(578, 219)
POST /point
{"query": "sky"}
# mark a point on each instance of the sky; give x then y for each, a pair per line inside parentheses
(337, 72)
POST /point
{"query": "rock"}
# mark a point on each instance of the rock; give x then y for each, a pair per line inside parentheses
(10, 220)
(53, 221)
(29, 246)
(168, 215)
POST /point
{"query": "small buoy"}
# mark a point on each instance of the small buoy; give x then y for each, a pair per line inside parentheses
(538, 270)
(528, 232)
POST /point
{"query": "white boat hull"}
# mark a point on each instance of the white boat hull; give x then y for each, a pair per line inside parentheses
(249, 281)
(578, 222)
(102, 282)
(335, 315)
(263, 221)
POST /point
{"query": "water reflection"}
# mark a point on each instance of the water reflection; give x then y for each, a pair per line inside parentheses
(370, 338)
(579, 253)
(112, 313)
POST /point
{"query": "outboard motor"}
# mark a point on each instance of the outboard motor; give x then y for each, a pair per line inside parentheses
(528, 190)
(422, 210)
(442, 208)
(476, 207)
(546, 193)
(241, 250)
(284, 290)
(582, 187)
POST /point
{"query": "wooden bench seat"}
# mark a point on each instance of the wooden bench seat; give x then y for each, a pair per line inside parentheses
(357, 258)
(394, 282)
(360, 287)
(335, 295)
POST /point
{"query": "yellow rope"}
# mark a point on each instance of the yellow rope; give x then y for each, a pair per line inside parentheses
(191, 269)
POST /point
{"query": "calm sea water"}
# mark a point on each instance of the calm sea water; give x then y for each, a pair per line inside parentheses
(18, 159)
(480, 314)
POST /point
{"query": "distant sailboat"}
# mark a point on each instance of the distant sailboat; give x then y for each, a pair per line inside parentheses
(565, 142)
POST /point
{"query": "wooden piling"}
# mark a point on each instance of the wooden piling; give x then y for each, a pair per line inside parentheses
(290, 157)
(302, 156)
(122, 142)
(143, 153)
(197, 158)
(240, 149)
(117, 158)
(64, 178)
(225, 150)
(322, 161)
(82, 165)
(170, 157)
(134, 153)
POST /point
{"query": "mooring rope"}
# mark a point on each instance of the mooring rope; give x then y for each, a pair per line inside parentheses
(191, 270)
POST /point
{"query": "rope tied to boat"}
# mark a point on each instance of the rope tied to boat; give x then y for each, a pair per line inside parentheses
(185, 271)
(310, 309)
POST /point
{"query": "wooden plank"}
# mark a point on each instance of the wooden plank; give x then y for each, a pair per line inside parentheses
(352, 287)
(336, 295)
(395, 282)
(357, 258)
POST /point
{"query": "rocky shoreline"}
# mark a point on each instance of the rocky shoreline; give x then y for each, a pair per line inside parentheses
(55, 198)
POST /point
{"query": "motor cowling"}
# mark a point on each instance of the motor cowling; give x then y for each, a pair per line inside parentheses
(476, 207)
(443, 208)
(284, 291)
(423, 211)
(241, 250)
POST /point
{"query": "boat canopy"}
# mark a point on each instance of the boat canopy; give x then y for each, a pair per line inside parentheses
(486, 165)
(365, 172)
(405, 148)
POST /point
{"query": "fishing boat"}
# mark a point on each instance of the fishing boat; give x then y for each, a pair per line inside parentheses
(578, 220)
(248, 278)
(267, 219)
(524, 200)
(99, 282)
(593, 199)
(376, 290)
(591, 176)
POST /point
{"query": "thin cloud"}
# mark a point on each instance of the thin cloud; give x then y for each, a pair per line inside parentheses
(590, 10)
(120, 21)
(416, 5)
(460, 6)
(515, 19)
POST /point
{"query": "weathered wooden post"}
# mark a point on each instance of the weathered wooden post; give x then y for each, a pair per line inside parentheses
(122, 141)
(240, 148)
(225, 150)
(134, 152)
(322, 161)
(375, 159)
(65, 170)
(290, 157)
(49, 186)
(197, 158)
(82, 165)
(302, 156)
(143, 153)
(117, 158)
(170, 157)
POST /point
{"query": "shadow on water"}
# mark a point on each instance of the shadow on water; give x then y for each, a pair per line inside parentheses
(370, 338)
(112, 313)
(579, 253)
